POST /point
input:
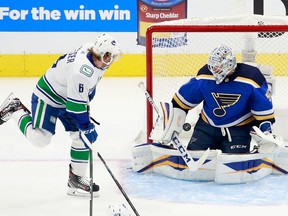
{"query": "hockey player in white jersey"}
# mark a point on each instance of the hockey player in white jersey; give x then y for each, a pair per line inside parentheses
(64, 93)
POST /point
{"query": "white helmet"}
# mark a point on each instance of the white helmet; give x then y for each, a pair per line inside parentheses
(106, 44)
(221, 62)
(118, 209)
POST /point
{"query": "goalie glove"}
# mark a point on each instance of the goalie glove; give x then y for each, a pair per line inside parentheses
(266, 141)
(171, 120)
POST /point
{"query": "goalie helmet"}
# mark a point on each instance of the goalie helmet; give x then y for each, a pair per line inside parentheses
(118, 209)
(105, 46)
(221, 62)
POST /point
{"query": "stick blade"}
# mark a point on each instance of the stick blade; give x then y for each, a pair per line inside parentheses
(203, 158)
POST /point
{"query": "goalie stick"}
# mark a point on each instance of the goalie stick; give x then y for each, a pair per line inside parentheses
(192, 165)
(149, 98)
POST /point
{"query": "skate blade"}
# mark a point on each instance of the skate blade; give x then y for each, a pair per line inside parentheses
(81, 193)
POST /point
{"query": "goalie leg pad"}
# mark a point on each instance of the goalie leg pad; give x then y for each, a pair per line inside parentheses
(166, 161)
(142, 158)
(242, 168)
(280, 161)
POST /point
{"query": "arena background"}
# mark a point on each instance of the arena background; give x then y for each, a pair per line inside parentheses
(34, 34)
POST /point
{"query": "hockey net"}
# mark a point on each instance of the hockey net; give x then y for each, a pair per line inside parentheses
(176, 50)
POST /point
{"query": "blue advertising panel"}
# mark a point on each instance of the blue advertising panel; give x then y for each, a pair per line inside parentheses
(68, 15)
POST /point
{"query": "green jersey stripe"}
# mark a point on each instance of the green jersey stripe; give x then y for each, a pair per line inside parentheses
(74, 107)
(42, 84)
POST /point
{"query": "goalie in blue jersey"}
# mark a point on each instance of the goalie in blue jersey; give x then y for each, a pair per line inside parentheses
(235, 98)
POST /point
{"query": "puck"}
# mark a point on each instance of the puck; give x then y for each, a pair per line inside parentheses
(186, 127)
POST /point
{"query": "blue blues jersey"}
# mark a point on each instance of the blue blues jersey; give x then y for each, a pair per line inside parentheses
(238, 100)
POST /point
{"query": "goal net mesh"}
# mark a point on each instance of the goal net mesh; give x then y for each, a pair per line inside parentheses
(176, 51)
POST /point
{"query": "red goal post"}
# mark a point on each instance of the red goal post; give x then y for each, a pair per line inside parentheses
(168, 43)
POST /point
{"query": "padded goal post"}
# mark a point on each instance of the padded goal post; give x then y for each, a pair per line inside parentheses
(176, 50)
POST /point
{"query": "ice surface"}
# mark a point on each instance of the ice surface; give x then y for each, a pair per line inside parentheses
(33, 180)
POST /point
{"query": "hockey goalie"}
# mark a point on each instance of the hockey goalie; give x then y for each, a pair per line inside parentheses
(232, 140)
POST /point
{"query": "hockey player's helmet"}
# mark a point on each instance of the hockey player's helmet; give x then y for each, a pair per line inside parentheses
(221, 62)
(107, 48)
(118, 209)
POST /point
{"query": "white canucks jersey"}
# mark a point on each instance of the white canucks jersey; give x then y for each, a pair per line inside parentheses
(70, 81)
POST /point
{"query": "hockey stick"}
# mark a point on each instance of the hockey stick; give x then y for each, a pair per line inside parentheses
(192, 165)
(87, 142)
(187, 126)
(119, 186)
(110, 172)
(91, 181)
(115, 180)
(90, 168)
(96, 122)
(149, 98)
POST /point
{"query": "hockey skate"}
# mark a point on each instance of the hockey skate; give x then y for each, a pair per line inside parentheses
(80, 186)
(9, 106)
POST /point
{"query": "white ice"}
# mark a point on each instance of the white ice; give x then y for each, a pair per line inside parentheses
(33, 180)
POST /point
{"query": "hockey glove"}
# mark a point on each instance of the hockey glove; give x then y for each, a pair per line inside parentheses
(92, 94)
(170, 120)
(267, 142)
(88, 134)
(266, 127)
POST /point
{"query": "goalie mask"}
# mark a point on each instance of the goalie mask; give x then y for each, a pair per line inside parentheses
(107, 48)
(118, 209)
(221, 62)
